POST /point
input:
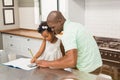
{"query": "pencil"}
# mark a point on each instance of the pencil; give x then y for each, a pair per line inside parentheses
(30, 52)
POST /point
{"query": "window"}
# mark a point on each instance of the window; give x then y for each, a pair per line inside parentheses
(37, 11)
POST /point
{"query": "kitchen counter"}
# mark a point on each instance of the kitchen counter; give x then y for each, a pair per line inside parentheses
(23, 32)
(26, 33)
(10, 73)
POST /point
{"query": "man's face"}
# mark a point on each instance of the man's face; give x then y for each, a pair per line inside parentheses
(56, 27)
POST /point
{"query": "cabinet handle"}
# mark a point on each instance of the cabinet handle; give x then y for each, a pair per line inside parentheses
(11, 44)
(115, 55)
(105, 53)
(28, 39)
(10, 36)
(110, 54)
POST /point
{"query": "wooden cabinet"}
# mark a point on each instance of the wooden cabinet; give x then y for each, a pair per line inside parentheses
(20, 45)
(110, 52)
(111, 61)
(33, 44)
(10, 43)
(110, 57)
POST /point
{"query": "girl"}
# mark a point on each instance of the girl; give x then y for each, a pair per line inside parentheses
(51, 47)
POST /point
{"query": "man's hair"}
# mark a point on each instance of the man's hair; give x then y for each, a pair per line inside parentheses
(43, 26)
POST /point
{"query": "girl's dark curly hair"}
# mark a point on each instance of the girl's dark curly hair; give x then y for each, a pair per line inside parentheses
(43, 26)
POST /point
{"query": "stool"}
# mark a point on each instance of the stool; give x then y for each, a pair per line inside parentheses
(110, 70)
(103, 77)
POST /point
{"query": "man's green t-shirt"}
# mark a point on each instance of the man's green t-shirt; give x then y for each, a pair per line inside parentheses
(75, 36)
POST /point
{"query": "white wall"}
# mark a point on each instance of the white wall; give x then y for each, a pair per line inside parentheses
(63, 7)
(102, 17)
(73, 10)
(46, 7)
(16, 25)
(76, 10)
(27, 14)
(27, 18)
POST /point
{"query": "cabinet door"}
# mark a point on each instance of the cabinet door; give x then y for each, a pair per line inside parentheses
(29, 43)
(20, 45)
(10, 43)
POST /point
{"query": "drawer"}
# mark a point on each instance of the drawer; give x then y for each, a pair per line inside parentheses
(110, 55)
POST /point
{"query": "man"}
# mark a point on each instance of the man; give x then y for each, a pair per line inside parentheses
(80, 47)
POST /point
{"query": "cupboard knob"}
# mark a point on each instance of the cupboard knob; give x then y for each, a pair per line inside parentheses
(28, 39)
(115, 55)
(11, 44)
(110, 54)
(10, 36)
(105, 53)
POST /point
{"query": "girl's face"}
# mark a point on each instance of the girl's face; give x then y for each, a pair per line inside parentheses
(49, 36)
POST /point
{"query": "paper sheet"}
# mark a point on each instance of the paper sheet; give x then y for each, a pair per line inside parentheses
(21, 63)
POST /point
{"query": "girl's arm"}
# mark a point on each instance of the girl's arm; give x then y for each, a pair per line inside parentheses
(69, 60)
(40, 51)
(62, 48)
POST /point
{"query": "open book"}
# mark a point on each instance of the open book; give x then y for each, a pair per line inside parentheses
(22, 63)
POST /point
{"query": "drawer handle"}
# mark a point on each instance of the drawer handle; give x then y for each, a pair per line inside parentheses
(11, 44)
(115, 55)
(10, 36)
(105, 53)
(28, 39)
(110, 54)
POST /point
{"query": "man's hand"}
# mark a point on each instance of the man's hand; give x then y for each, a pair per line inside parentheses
(69, 60)
(42, 63)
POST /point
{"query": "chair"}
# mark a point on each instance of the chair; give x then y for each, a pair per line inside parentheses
(111, 71)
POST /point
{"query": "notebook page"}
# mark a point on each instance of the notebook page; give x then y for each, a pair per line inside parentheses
(20, 63)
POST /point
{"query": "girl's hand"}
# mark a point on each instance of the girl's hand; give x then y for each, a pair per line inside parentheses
(33, 60)
(42, 63)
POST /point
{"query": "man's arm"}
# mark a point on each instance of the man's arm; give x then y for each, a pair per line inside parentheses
(62, 49)
(69, 60)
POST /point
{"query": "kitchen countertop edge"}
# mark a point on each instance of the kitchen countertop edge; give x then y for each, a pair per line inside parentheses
(30, 33)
